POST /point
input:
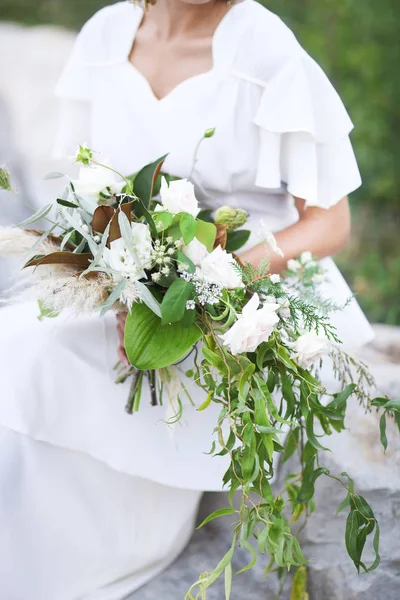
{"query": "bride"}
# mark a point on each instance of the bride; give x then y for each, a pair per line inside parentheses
(93, 502)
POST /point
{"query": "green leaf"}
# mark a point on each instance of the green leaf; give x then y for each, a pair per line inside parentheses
(287, 392)
(344, 504)
(149, 300)
(236, 239)
(207, 402)
(341, 399)
(393, 405)
(145, 180)
(188, 227)
(247, 546)
(173, 306)
(222, 512)
(228, 581)
(382, 428)
(215, 360)
(307, 489)
(206, 215)
(352, 525)
(299, 586)
(311, 435)
(249, 439)
(283, 355)
(142, 211)
(276, 531)
(184, 260)
(291, 444)
(39, 214)
(206, 234)
(53, 175)
(66, 203)
(162, 219)
(151, 345)
(113, 297)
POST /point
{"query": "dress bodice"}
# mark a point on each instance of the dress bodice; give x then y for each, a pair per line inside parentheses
(280, 128)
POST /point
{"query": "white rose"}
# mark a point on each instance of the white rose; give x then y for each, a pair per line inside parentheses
(130, 264)
(218, 267)
(253, 327)
(309, 347)
(179, 197)
(213, 267)
(293, 265)
(196, 251)
(91, 182)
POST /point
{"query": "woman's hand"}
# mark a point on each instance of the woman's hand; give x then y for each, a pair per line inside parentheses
(121, 320)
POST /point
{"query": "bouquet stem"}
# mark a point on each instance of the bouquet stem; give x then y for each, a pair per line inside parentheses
(135, 391)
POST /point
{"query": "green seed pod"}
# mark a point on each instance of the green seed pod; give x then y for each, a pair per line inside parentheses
(5, 182)
(232, 217)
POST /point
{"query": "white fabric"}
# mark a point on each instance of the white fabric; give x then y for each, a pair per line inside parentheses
(74, 529)
(78, 477)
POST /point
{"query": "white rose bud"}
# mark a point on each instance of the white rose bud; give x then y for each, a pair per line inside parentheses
(310, 347)
(178, 197)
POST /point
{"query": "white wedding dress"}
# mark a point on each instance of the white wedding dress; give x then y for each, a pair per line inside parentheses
(93, 502)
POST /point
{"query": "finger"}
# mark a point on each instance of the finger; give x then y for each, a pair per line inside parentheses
(122, 356)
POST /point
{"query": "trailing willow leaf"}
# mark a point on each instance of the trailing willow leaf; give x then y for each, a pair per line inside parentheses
(307, 489)
(249, 438)
(291, 444)
(222, 512)
(299, 586)
(228, 581)
(247, 546)
(382, 428)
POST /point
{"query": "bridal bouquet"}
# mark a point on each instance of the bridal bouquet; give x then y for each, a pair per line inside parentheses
(141, 244)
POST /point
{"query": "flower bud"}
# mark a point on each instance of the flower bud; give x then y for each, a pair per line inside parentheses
(209, 132)
(83, 155)
(232, 217)
(5, 183)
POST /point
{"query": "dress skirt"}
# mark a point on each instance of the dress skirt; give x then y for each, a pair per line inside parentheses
(72, 528)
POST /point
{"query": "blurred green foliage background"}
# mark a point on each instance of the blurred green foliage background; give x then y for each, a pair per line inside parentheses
(357, 43)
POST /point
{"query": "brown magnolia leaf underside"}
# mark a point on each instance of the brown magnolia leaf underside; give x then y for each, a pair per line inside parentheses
(81, 261)
(115, 232)
(221, 237)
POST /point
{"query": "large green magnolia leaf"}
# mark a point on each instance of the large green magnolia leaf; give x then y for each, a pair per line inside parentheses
(151, 345)
(145, 180)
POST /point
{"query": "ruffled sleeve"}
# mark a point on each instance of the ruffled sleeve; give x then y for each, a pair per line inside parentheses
(304, 135)
(74, 89)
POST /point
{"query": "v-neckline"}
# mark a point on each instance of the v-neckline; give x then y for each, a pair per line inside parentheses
(188, 80)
